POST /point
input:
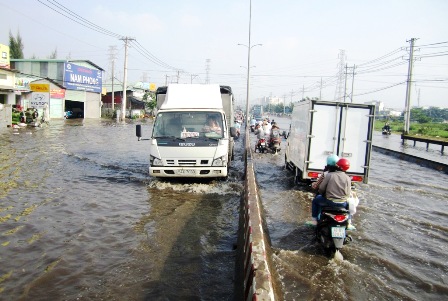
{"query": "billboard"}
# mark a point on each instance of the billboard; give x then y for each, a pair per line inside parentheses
(4, 56)
(82, 78)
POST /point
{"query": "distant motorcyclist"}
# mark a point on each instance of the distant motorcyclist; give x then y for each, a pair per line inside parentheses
(253, 121)
(275, 131)
(334, 190)
(259, 131)
(386, 127)
(267, 128)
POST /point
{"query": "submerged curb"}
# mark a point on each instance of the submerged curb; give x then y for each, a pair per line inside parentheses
(254, 250)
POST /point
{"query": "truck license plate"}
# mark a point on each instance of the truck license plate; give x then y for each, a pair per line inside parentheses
(338, 232)
(186, 171)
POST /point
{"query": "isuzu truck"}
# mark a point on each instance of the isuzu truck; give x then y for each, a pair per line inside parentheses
(322, 128)
(192, 134)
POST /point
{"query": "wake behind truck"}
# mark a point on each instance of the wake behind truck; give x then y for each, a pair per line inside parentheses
(192, 134)
(322, 128)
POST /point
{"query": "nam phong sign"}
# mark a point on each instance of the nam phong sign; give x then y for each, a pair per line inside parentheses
(82, 78)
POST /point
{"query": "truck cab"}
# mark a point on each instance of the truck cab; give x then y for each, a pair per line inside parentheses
(192, 135)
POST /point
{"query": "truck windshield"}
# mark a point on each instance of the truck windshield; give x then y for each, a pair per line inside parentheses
(188, 125)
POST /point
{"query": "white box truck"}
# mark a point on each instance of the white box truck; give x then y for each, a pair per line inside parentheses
(192, 134)
(322, 128)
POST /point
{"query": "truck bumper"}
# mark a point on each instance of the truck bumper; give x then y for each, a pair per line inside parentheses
(186, 172)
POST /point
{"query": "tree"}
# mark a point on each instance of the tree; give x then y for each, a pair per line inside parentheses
(15, 46)
(150, 101)
(419, 115)
(54, 54)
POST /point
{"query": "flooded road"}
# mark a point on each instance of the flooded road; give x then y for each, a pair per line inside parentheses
(400, 245)
(80, 219)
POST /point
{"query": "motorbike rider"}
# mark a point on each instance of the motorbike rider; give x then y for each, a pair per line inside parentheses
(334, 190)
(267, 127)
(253, 122)
(259, 131)
(330, 167)
(274, 133)
(386, 127)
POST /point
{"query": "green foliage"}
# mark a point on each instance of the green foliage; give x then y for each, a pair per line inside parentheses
(432, 114)
(429, 129)
(150, 100)
(15, 46)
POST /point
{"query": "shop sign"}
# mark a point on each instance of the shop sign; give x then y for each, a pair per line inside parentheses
(40, 87)
(82, 78)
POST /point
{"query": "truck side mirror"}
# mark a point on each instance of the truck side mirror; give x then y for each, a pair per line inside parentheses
(138, 131)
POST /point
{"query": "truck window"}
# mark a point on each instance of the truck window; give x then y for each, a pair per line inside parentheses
(188, 125)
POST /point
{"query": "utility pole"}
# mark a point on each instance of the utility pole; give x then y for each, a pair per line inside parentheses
(284, 103)
(353, 83)
(320, 91)
(292, 94)
(207, 71)
(339, 93)
(418, 98)
(113, 50)
(345, 85)
(407, 118)
(125, 76)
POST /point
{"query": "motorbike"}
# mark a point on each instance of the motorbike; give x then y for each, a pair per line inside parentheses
(386, 131)
(331, 230)
(261, 146)
(274, 144)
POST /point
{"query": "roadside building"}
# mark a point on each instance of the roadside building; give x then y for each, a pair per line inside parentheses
(134, 100)
(74, 85)
(7, 95)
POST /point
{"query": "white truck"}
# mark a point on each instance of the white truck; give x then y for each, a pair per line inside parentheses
(192, 134)
(321, 128)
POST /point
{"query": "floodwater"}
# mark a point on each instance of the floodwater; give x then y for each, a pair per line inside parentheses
(400, 246)
(80, 219)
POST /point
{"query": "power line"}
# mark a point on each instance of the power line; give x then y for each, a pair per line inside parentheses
(69, 14)
(78, 19)
(381, 89)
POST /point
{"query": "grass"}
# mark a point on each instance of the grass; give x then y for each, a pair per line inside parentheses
(437, 131)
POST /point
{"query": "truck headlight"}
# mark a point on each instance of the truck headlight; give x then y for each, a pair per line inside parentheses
(154, 161)
(221, 161)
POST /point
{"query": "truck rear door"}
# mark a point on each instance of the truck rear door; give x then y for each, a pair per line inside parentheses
(355, 137)
(324, 134)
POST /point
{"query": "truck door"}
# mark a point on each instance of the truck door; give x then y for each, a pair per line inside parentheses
(324, 134)
(355, 137)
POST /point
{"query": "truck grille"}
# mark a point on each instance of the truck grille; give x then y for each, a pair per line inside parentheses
(186, 162)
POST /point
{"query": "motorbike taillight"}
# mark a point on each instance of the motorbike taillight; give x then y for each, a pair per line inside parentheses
(340, 217)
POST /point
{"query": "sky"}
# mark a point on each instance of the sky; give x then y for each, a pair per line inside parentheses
(298, 48)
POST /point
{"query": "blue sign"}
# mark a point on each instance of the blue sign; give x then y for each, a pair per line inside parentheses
(82, 78)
